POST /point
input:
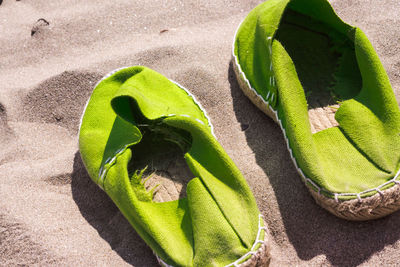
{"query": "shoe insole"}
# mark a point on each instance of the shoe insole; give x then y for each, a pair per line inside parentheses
(161, 152)
(325, 63)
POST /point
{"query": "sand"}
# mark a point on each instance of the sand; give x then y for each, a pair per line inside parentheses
(52, 54)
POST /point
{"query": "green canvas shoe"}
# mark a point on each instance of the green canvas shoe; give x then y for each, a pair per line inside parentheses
(321, 80)
(134, 116)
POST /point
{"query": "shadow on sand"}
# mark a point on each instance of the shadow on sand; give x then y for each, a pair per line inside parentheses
(101, 213)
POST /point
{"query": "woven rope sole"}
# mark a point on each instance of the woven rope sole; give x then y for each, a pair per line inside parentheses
(170, 175)
(373, 207)
(255, 99)
(262, 257)
(322, 117)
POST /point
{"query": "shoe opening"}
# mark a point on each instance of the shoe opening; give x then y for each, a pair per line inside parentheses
(157, 162)
(325, 62)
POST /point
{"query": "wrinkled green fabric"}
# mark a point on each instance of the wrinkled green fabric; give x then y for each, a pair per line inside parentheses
(364, 151)
(217, 222)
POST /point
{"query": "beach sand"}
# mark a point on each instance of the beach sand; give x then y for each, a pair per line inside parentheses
(52, 53)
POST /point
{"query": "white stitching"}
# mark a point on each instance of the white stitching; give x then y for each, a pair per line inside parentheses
(161, 262)
(336, 197)
(198, 104)
(200, 121)
(186, 116)
(269, 92)
(256, 242)
(269, 38)
(242, 76)
(108, 160)
(379, 191)
(107, 165)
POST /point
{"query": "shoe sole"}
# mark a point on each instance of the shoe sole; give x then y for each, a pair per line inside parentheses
(383, 203)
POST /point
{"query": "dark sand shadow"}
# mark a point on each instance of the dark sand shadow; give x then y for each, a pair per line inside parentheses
(310, 229)
(101, 213)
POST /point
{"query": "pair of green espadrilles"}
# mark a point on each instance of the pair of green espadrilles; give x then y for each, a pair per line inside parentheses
(319, 78)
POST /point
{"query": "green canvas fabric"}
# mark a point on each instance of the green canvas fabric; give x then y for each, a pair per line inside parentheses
(218, 221)
(363, 152)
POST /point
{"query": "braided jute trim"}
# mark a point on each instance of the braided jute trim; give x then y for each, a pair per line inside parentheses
(259, 254)
(382, 203)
